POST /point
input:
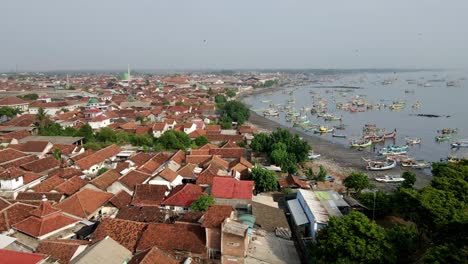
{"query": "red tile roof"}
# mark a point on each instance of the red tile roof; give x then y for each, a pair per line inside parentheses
(13, 214)
(183, 195)
(61, 250)
(149, 195)
(121, 199)
(154, 163)
(65, 173)
(37, 196)
(106, 179)
(134, 177)
(188, 171)
(44, 220)
(48, 184)
(216, 215)
(140, 158)
(71, 186)
(193, 238)
(153, 256)
(12, 100)
(20, 161)
(98, 157)
(85, 202)
(10, 154)
(41, 165)
(146, 214)
(20, 257)
(168, 174)
(230, 188)
(126, 233)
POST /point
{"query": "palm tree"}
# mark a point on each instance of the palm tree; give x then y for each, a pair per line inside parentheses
(42, 117)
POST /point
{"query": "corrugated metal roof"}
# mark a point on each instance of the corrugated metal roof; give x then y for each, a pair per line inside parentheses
(316, 207)
(297, 212)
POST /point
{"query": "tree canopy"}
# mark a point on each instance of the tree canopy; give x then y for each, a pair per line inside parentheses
(282, 148)
(174, 140)
(202, 203)
(353, 238)
(265, 180)
(234, 111)
(356, 182)
(410, 179)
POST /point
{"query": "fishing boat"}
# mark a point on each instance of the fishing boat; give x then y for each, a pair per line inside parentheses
(340, 127)
(417, 105)
(323, 130)
(360, 143)
(448, 131)
(380, 165)
(413, 141)
(396, 107)
(330, 117)
(415, 164)
(270, 112)
(391, 135)
(312, 156)
(460, 144)
(387, 152)
(441, 138)
(377, 139)
(338, 135)
(390, 179)
(266, 101)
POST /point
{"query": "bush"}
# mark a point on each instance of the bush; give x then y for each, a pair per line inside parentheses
(202, 203)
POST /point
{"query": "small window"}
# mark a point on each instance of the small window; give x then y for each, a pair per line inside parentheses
(232, 244)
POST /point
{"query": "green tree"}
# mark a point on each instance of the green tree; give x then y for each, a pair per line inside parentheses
(92, 145)
(201, 140)
(174, 140)
(179, 104)
(9, 112)
(102, 170)
(384, 202)
(230, 93)
(42, 117)
(202, 203)
(236, 112)
(410, 179)
(310, 174)
(404, 240)
(356, 181)
(31, 96)
(210, 91)
(260, 142)
(220, 99)
(265, 180)
(353, 238)
(86, 131)
(106, 134)
(57, 154)
(321, 174)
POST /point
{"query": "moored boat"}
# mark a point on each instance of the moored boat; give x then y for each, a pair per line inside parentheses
(415, 164)
(323, 130)
(390, 179)
(360, 143)
(413, 141)
(460, 144)
(270, 112)
(380, 165)
(338, 135)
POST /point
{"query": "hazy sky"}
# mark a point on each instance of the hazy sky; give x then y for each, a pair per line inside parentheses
(222, 34)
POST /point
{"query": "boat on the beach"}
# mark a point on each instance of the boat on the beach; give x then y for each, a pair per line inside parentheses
(390, 179)
(360, 143)
(380, 165)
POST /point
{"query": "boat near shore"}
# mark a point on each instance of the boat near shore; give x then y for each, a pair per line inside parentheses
(360, 143)
(390, 179)
(380, 165)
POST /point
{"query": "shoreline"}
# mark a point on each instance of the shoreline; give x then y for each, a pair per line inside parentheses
(346, 159)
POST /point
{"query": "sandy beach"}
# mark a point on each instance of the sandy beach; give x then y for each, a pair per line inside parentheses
(337, 159)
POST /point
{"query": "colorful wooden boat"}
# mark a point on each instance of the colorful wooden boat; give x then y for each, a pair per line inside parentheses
(360, 143)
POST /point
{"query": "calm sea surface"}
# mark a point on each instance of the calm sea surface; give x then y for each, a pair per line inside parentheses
(427, 88)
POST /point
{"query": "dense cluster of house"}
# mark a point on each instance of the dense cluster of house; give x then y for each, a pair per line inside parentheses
(63, 203)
